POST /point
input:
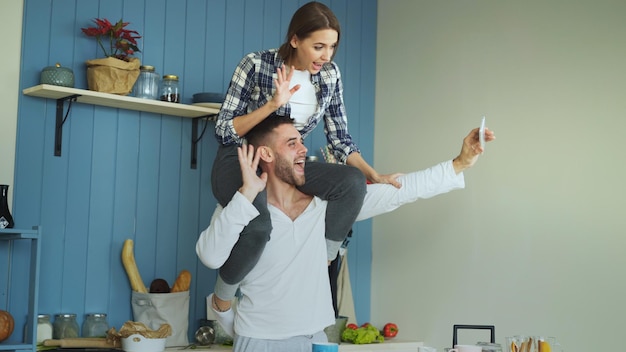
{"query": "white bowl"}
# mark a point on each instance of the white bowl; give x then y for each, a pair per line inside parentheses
(139, 343)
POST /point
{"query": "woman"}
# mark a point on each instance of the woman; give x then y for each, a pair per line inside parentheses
(299, 80)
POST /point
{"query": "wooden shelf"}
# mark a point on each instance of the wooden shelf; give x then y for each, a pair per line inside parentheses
(63, 94)
(119, 101)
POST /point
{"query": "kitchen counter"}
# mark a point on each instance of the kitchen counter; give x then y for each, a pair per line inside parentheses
(392, 345)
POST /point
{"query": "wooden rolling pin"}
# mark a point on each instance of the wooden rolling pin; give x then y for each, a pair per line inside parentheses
(78, 342)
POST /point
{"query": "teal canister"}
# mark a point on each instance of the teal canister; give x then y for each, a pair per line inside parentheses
(58, 76)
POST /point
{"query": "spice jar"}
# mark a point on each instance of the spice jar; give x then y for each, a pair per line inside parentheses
(169, 89)
(44, 328)
(95, 325)
(147, 85)
(65, 326)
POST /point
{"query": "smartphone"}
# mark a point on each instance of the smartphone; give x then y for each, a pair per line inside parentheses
(481, 133)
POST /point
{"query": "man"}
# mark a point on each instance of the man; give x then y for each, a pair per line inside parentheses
(285, 300)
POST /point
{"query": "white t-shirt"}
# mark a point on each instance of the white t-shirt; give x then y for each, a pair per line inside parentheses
(303, 102)
(288, 292)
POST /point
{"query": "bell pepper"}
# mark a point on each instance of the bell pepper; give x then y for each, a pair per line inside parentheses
(390, 330)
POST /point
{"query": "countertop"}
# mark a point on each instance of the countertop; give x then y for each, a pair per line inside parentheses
(396, 345)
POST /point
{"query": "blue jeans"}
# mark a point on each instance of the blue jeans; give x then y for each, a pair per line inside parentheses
(343, 186)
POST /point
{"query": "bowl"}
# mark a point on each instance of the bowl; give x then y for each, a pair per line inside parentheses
(208, 97)
(139, 343)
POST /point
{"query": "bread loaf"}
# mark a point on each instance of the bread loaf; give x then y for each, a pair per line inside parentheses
(128, 259)
(183, 282)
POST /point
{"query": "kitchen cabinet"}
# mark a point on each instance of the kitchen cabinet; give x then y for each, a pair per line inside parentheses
(70, 95)
(29, 342)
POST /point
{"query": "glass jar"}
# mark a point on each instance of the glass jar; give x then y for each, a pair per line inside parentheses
(44, 328)
(65, 326)
(95, 325)
(170, 90)
(147, 85)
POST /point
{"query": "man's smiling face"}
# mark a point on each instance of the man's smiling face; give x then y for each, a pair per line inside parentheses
(290, 154)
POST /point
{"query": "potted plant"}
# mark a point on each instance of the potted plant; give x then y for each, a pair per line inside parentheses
(117, 72)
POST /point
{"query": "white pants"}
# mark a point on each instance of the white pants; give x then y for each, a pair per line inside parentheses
(302, 343)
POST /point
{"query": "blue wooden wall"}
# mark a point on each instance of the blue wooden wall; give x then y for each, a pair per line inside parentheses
(125, 174)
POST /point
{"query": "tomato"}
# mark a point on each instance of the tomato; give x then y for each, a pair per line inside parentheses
(352, 326)
(390, 330)
(364, 325)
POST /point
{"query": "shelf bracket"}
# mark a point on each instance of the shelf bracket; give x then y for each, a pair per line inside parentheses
(60, 120)
(195, 138)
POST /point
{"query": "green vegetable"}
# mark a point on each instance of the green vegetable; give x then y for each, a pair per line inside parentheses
(362, 335)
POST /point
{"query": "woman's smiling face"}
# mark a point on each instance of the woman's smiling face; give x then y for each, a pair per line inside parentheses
(314, 51)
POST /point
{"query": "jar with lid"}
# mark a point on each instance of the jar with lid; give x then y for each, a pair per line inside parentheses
(95, 325)
(170, 90)
(44, 328)
(147, 85)
(64, 326)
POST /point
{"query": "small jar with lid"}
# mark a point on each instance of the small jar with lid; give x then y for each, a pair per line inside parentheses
(65, 326)
(147, 85)
(95, 325)
(170, 90)
(44, 328)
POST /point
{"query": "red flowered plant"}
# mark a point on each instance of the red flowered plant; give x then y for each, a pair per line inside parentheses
(122, 42)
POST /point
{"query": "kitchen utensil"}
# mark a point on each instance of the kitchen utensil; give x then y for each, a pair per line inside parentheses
(491, 346)
(205, 335)
(139, 343)
(325, 347)
(221, 336)
(466, 348)
(208, 97)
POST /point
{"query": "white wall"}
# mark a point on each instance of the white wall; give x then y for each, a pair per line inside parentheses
(10, 22)
(535, 243)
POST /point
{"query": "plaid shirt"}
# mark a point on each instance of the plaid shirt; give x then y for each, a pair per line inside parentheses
(252, 86)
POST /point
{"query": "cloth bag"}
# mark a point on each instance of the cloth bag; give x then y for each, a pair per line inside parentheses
(154, 309)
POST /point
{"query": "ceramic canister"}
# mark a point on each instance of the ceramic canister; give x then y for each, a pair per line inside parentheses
(58, 76)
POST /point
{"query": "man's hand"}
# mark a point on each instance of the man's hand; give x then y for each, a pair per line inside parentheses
(253, 184)
(471, 150)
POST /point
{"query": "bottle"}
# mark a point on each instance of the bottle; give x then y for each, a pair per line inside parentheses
(6, 220)
(44, 328)
(65, 326)
(147, 85)
(95, 325)
(169, 89)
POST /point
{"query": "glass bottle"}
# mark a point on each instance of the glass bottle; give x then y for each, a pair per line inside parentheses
(6, 220)
(65, 326)
(44, 328)
(147, 85)
(169, 89)
(95, 325)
